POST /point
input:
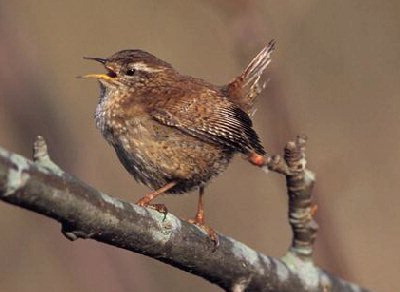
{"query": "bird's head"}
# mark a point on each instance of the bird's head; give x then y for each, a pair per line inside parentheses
(131, 68)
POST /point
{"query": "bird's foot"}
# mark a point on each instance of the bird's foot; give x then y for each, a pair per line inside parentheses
(198, 221)
(145, 202)
(147, 199)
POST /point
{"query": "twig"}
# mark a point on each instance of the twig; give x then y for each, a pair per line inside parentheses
(301, 211)
(42, 187)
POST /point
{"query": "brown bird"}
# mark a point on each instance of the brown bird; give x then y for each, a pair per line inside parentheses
(172, 132)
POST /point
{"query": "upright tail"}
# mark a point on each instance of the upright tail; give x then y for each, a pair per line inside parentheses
(244, 89)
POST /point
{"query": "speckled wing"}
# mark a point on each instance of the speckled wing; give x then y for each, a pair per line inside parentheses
(213, 118)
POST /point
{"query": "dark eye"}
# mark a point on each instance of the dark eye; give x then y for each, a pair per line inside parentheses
(130, 72)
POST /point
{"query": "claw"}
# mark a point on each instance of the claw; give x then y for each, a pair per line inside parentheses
(158, 207)
(161, 208)
(145, 201)
(210, 232)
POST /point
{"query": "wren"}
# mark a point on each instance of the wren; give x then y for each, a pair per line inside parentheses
(172, 132)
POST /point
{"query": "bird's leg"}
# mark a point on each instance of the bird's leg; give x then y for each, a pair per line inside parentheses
(199, 220)
(257, 159)
(146, 200)
(199, 217)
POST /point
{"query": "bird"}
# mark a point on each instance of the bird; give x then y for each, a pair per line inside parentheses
(172, 132)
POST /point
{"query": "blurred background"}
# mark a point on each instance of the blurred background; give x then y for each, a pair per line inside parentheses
(334, 77)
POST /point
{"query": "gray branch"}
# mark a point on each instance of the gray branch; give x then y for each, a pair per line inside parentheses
(42, 187)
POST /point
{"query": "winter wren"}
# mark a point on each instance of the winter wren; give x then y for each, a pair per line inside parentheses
(172, 132)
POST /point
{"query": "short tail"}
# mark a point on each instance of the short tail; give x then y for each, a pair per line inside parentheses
(244, 89)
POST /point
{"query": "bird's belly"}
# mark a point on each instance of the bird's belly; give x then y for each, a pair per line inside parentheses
(156, 155)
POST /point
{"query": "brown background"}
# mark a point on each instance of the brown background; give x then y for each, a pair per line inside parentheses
(334, 77)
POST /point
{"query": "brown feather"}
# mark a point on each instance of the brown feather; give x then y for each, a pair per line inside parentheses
(167, 127)
(244, 89)
(211, 117)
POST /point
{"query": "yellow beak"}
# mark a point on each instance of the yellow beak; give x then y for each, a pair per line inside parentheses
(97, 76)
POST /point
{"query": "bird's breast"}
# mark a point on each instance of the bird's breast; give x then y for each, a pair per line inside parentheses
(115, 116)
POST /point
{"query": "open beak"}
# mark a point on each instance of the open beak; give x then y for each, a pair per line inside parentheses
(97, 76)
(110, 75)
(100, 60)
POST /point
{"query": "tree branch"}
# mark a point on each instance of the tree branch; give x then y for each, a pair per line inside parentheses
(42, 187)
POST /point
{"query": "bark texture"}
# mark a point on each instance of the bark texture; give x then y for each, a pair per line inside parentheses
(42, 187)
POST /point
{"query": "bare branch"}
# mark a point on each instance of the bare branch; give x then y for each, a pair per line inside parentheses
(42, 187)
(299, 184)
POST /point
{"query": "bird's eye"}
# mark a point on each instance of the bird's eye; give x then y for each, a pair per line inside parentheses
(130, 72)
